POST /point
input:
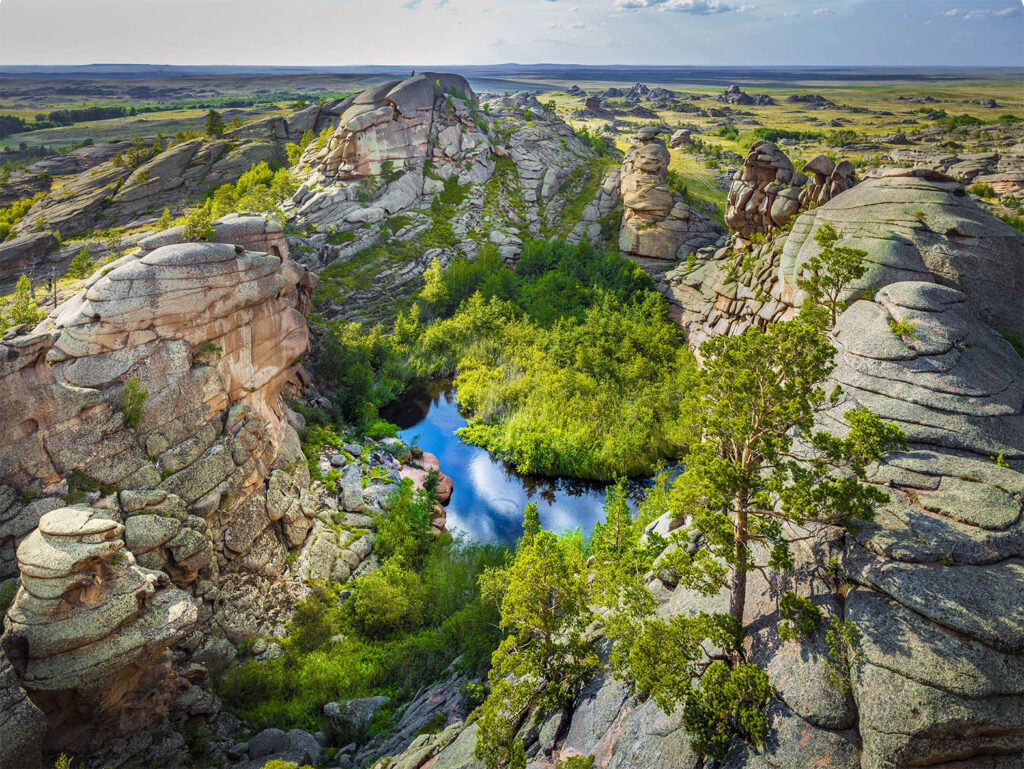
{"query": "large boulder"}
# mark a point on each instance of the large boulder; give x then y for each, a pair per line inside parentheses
(917, 224)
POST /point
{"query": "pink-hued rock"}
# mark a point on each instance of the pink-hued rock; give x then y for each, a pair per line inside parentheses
(656, 223)
(418, 475)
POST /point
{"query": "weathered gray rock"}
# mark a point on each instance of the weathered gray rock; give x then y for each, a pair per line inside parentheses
(22, 724)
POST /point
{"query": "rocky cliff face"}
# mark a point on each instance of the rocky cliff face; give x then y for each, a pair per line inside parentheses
(914, 224)
(424, 168)
(657, 224)
(932, 584)
(155, 483)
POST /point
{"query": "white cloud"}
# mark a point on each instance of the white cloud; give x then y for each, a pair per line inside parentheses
(693, 7)
(823, 12)
(981, 13)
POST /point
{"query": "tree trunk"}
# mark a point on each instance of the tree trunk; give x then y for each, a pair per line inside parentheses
(738, 591)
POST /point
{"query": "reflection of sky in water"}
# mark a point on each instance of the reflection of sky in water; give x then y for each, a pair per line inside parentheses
(488, 499)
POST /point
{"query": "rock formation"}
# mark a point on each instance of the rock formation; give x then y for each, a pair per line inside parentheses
(86, 626)
(679, 138)
(22, 724)
(104, 194)
(932, 583)
(734, 95)
(952, 242)
(657, 224)
(765, 192)
(827, 179)
(152, 400)
(405, 148)
(917, 224)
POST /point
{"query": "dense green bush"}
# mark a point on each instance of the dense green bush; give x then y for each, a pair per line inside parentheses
(13, 213)
(569, 364)
(259, 190)
(774, 134)
(387, 600)
(367, 369)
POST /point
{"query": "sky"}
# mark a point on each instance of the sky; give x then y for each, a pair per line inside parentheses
(448, 32)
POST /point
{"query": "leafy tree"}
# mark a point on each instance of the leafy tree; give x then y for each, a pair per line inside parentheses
(544, 654)
(829, 272)
(23, 307)
(82, 265)
(434, 291)
(198, 224)
(214, 124)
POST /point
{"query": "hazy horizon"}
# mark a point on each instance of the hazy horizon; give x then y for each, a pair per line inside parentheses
(680, 33)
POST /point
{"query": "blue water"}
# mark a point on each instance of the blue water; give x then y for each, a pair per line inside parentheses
(488, 497)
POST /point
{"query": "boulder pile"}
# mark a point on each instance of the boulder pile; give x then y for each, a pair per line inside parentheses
(734, 95)
(826, 180)
(765, 192)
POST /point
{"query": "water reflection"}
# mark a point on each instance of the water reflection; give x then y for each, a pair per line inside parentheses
(488, 499)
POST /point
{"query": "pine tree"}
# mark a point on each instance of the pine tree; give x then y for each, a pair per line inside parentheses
(829, 272)
(23, 307)
(544, 655)
(82, 265)
(214, 124)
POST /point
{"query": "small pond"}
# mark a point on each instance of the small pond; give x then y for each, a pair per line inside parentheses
(489, 496)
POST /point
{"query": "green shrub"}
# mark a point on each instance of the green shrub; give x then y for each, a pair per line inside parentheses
(82, 265)
(387, 600)
(23, 307)
(568, 363)
(728, 131)
(982, 190)
(131, 401)
(198, 225)
(14, 213)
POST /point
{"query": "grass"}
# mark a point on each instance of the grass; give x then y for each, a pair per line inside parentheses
(148, 124)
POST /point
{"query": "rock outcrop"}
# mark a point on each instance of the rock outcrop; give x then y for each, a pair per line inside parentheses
(454, 171)
(765, 192)
(113, 193)
(22, 724)
(657, 224)
(735, 95)
(931, 584)
(86, 626)
(917, 224)
(162, 459)
(826, 180)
